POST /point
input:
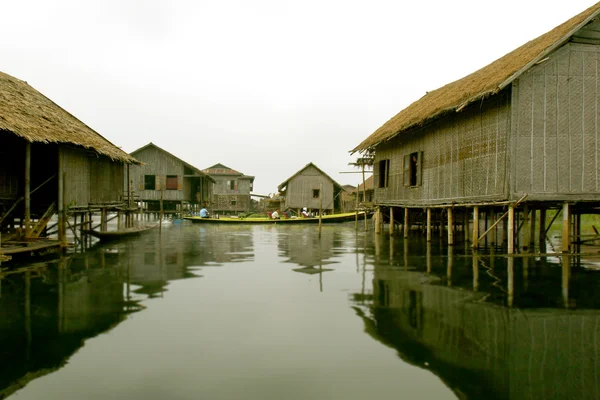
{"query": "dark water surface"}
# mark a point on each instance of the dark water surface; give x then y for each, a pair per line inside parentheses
(274, 312)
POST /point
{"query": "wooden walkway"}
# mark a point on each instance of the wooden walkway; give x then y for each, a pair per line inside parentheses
(13, 248)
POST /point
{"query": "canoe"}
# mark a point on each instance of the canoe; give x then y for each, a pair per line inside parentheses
(327, 219)
(120, 234)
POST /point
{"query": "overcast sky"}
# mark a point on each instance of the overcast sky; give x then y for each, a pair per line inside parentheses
(262, 86)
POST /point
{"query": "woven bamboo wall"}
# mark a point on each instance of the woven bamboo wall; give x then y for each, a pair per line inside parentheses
(463, 157)
(555, 145)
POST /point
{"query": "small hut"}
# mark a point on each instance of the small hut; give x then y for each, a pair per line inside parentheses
(168, 178)
(312, 188)
(50, 161)
(231, 194)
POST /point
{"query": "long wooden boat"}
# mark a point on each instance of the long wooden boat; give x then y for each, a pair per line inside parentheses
(120, 234)
(327, 219)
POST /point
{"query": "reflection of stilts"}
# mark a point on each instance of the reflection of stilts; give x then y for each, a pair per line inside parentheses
(566, 276)
(511, 282)
(449, 265)
(428, 256)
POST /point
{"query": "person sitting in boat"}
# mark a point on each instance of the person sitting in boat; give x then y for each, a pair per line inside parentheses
(305, 213)
(275, 215)
(203, 213)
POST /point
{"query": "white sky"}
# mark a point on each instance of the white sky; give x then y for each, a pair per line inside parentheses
(262, 86)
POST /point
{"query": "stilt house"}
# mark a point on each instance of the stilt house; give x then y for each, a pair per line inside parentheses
(312, 188)
(167, 177)
(50, 160)
(521, 132)
(231, 194)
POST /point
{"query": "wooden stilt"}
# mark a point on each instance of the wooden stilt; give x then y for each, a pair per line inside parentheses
(377, 218)
(475, 272)
(492, 216)
(511, 229)
(450, 228)
(428, 256)
(526, 230)
(566, 228)
(406, 220)
(320, 208)
(391, 221)
(475, 227)
(532, 216)
(428, 224)
(542, 235)
(27, 194)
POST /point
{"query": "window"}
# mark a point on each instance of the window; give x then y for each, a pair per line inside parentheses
(233, 202)
(316, 193)
(149, 182)
(171, 182)
(251, 186)
(413, 169)
(232, 185)
(384, 173)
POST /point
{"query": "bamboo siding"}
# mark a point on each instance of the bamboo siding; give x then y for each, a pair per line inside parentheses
(464, 157)
(556, 113)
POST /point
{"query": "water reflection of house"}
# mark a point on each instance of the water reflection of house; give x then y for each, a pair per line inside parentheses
(302, 246)
(483, 350)
(47, 312)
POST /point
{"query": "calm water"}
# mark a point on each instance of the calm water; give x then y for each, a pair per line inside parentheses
(274, 312)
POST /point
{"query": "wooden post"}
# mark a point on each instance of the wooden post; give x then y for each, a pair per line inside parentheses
(511, 229)
(525, 228)
(62, 235)
(428, 224)
(450, 227)
(377, 218)
(392, 221)
(406, 222)
(475, 243)
(161, 209)
(532, 214)
(492, 215)
(356, 209)
(103, 219)
(542, 236)
(27, 194)
(320, 207)
(566, 228)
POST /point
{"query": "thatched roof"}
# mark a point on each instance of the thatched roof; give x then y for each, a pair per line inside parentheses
(284, 184)
(32, 116)
(485, 82)
(197, 171)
